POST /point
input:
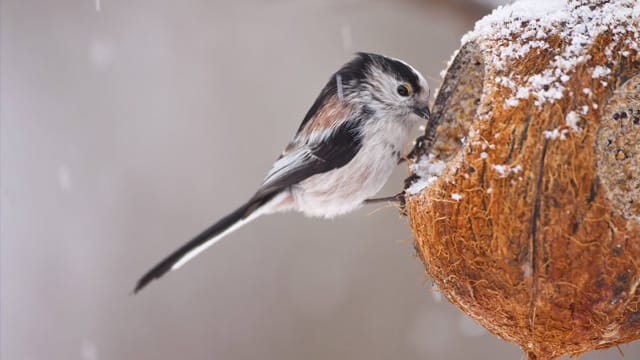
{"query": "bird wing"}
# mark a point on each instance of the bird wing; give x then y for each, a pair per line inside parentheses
(336, 148)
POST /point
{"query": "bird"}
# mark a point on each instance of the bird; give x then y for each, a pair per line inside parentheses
(344, 151)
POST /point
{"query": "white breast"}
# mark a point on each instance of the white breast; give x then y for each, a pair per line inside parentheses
(342, 190)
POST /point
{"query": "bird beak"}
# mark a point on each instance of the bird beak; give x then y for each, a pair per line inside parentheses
(424, 112)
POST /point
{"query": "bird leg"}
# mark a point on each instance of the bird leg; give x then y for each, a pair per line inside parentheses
(397, 199)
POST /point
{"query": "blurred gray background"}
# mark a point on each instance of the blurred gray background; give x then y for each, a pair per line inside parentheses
(129, 126)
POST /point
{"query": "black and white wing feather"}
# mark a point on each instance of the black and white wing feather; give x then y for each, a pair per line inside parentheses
(333, 151)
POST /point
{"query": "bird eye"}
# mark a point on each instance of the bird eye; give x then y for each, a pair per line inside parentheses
(403, 90)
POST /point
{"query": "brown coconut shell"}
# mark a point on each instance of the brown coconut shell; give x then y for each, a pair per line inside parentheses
(533, 228)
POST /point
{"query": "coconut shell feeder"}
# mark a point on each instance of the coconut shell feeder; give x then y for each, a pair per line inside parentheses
(525, 194)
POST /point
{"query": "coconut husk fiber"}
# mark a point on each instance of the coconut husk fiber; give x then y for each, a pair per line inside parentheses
(525, 194)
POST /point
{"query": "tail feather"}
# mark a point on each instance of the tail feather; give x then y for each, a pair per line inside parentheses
(208, 237)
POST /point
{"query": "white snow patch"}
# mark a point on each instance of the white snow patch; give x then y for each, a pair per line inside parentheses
(456, 196)
(484, 155)
(555, 134)
(511, 102)
(600, 71)
(428, 169)
(505, 170)
(570, 124)
(501, 169)
(526, 24)
(523, 93)
(571, 120)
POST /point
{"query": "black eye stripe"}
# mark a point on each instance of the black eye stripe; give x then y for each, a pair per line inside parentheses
(400, 70)
(359, 67)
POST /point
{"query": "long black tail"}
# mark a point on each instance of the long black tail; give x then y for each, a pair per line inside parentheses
(205, 239)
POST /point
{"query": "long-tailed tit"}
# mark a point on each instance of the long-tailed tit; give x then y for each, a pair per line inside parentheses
(344, 151)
